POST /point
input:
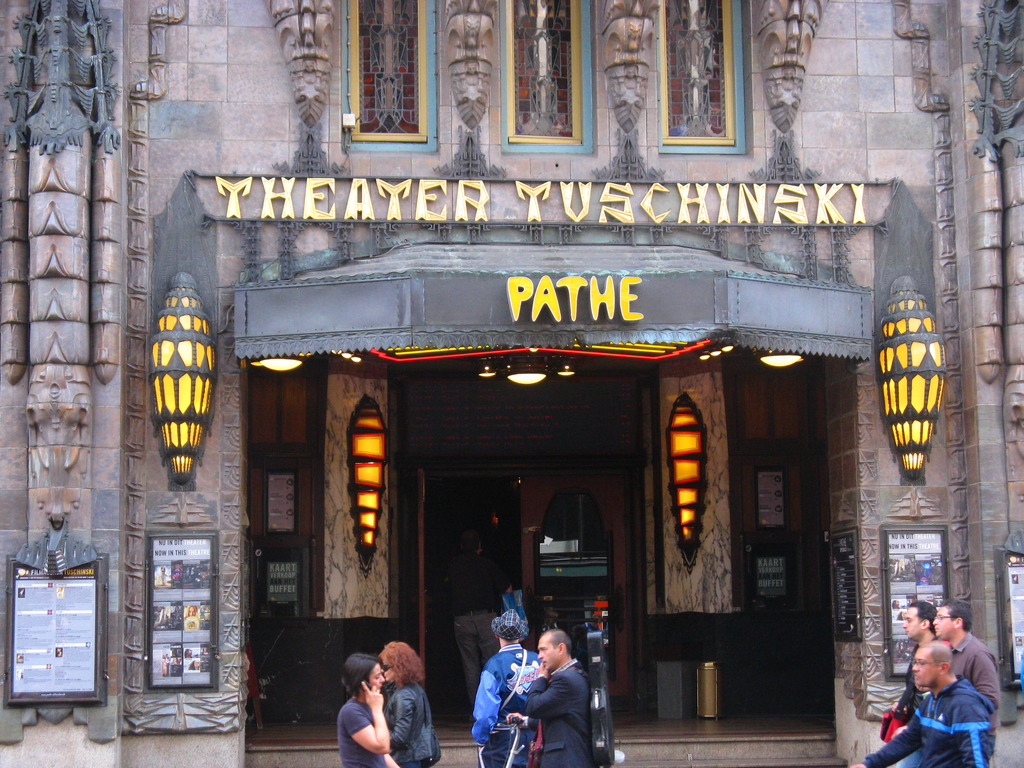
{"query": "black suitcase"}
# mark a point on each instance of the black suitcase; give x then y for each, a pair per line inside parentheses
(602, 744)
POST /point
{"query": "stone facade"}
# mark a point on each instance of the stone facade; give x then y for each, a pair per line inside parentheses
(859, 91)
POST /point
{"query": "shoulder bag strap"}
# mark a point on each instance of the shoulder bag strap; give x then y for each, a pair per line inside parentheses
(512, 693)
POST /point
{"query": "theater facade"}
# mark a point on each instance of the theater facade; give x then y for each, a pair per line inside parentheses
(703, 313)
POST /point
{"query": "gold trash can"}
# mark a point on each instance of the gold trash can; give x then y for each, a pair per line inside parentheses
(709, 702)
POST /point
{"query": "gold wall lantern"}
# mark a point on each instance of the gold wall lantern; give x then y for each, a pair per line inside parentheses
(912, 364)
(182, 380)
(686, 438)
(367, 440)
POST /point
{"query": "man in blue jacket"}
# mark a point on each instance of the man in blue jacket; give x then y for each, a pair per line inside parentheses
(951, 727)
(504, 683)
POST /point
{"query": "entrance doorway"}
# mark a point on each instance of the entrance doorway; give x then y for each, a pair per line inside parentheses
(561, 538)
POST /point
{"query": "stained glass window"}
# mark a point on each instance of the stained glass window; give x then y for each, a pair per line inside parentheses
(697, 81)
(388, 69)
(544, 86)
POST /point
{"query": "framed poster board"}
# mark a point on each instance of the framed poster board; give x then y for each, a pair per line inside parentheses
(57, 641)
(182, 642)
(1012, 567)
(771, 497)
(281, 495)
(915, 568)
(845, 586)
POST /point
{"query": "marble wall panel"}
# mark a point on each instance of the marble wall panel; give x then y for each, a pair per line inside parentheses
(708, 588)
(348, 592)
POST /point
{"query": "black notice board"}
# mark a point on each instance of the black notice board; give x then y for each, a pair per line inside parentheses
(500, 418)
(845, 590)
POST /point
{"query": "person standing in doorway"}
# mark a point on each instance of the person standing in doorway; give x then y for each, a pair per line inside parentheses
(560, 702)
(918, 623)
(951, 726)
(971, 657)
(476, 583)
(504, 683)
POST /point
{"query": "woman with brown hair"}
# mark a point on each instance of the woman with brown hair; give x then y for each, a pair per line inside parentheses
(406, 710)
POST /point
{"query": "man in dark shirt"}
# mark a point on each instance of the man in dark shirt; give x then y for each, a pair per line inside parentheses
(476, 582)
(972, 659)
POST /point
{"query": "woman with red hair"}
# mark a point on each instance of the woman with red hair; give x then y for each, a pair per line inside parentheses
(406, 710)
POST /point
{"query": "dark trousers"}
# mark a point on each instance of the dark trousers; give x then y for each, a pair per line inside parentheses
(476, 645)
(494, 754)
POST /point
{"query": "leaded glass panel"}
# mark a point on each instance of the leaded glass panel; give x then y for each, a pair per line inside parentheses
(388, 61)
(544, 91)
(697, 81)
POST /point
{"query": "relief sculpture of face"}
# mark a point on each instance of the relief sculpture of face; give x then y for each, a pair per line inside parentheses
(305, 29)
(471, 81)
(627, 92)
(786, 31)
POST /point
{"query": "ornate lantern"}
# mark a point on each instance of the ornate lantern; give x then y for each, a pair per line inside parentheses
(182, 380)
(686, 437)
(911, 360)
(367, 457)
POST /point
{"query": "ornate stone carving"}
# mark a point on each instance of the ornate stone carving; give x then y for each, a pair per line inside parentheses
(920, 57)
(998, 106)
(469, 30)
(57, 549)
(785, 30)
(159, 20)
(915, 507)
(628, 31)
(305, 28)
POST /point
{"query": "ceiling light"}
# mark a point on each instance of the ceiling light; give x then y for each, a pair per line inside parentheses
(278, 363)
(527, 370)
(565, 369)
(487, 370)
(780, 361)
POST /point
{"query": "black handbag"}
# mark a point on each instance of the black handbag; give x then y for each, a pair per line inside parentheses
(428, 726)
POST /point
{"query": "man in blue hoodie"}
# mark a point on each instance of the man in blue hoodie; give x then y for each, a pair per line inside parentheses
(951, 727)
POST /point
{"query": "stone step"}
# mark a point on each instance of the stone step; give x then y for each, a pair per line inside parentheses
(664, 750)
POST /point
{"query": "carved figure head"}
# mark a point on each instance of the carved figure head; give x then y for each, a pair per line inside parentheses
(786, 30)
(1013, 408)
(305, 30)
(471, 82)
(56, 504)
(627, 92)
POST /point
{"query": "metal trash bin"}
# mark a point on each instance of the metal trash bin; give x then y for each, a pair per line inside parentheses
(709, 701)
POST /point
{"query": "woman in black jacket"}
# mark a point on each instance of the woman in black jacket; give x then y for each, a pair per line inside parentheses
(406, 709)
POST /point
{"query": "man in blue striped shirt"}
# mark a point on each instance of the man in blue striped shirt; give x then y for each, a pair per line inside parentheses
(951, 727)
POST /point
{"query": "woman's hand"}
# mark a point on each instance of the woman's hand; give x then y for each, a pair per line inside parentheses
(374, 698)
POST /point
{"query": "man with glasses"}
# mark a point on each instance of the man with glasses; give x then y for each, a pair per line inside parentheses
(971, 657)
(951, 727)
(919, 624)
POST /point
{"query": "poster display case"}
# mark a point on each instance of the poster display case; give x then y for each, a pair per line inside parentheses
(1010, 580)
(845, 586)
(914, 564)
(183, 611)
(56, 640)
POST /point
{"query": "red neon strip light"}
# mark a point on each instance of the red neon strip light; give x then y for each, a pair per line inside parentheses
(520, 350)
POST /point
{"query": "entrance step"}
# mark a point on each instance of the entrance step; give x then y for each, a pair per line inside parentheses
(753, 743)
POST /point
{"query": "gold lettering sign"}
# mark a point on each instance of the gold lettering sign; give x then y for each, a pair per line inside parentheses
(516, 201)
(545, 296)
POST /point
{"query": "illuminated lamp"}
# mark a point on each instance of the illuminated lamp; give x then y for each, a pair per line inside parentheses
(527, 370)
(367, 441)
(686, 439)
(564, 368)
(487, 369)
(182, 380)
(912, 364)
(780, 361)
(278, 363)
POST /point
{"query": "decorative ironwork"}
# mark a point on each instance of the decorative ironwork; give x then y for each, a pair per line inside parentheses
(999, 106)
(287, 231)
(784, 165)
(310, 158)
(839, 239)
(342, 235)
(389, 90)
(628, 164)
(251, 231)
(695, 79)
(470, 162)
(543, 68)
(63, 87)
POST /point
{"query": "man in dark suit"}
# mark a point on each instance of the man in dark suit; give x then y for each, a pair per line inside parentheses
(559, 699)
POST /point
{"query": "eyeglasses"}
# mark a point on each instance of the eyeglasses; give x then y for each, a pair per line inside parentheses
(942, 617)
(919, 663)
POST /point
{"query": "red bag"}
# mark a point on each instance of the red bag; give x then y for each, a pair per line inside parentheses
(536, 748)
(891, 722)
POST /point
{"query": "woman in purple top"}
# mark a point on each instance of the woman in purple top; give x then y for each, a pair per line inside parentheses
(363, 740)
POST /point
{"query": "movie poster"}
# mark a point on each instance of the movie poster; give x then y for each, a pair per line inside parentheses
(916, 571)
(1015, 589)
(181, 611)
